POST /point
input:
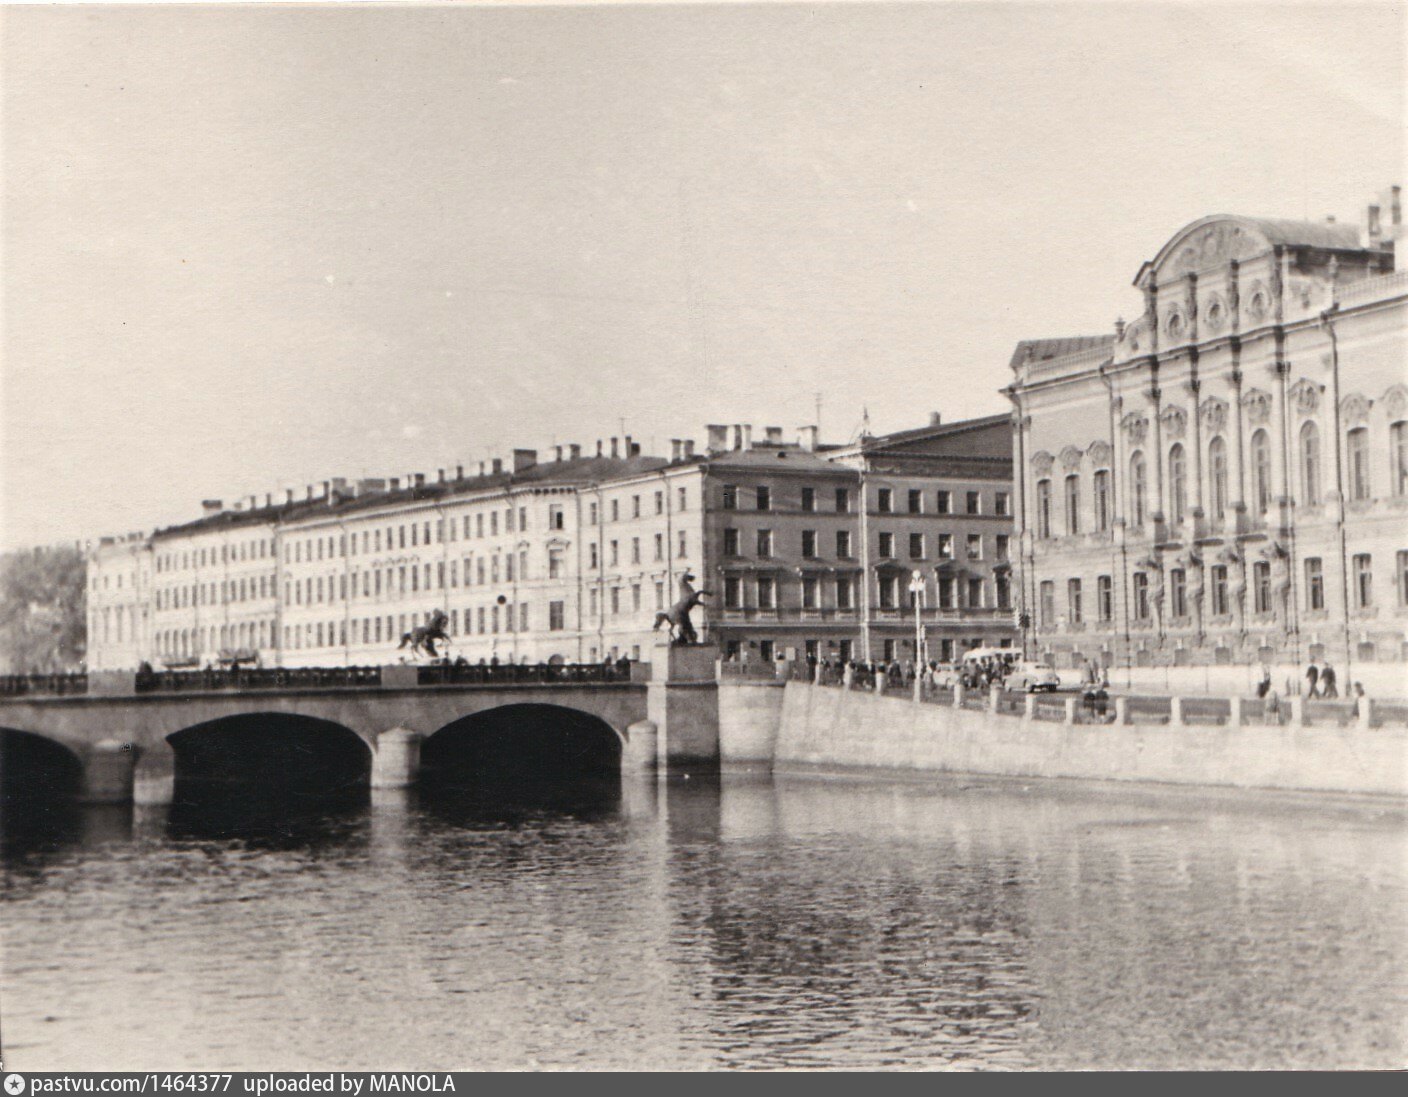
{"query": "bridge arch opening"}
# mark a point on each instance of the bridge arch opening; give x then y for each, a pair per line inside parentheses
(267, 764)
(36, 768)
(518, 746)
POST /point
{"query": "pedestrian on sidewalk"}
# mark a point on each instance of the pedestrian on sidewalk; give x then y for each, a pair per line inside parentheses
(1312, 678)
(1327, 682)
(1264, 686)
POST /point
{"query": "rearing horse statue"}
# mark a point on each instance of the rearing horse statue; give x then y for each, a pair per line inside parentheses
(422, 638)
(677, 616)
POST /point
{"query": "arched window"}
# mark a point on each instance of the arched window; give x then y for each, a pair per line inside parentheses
(1261, 471)
(1043, 508)
(1310, 464)
(1138, 488)
(1398, 456)
(1217, 476)
(1357, 457)
(1177, 484)
(1073, 503)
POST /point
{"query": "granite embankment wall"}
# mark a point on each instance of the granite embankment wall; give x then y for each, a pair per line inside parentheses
(799, 726)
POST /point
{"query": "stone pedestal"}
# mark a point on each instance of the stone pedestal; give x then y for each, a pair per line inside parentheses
(108, 774)
(641, 750)
(682, 701)
(396, 763)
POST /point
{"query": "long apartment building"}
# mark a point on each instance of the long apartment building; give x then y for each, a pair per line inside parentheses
(1225, 479)
(808, 549)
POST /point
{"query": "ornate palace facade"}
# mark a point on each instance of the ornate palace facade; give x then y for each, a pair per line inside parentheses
(1225, 480)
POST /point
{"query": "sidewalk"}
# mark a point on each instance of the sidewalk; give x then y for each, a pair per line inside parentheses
(1381, 681)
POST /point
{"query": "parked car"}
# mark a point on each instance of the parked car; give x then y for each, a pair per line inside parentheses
(1031, 677)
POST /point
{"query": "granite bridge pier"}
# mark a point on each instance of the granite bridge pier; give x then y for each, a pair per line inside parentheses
(116, 737)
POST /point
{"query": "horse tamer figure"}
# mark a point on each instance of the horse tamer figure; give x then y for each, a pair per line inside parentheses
(677, 616)
(422, 638)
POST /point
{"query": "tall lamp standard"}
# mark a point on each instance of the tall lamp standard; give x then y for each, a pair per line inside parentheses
(916, 588)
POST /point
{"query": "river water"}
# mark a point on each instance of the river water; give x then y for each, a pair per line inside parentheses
(801, 922)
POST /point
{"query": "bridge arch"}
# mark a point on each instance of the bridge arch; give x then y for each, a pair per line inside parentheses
(38, 767)
(273, 752)
(519, 743)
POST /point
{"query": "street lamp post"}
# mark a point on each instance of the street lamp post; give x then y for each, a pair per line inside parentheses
(916, 588)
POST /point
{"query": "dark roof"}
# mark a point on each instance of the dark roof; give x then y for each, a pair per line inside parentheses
(936, 430)
(771, 457)
(1312, 234)
(1042, 349)
(584, 470)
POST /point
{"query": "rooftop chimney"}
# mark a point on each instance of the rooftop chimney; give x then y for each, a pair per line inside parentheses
(747, 435)
(806, 438)
(676, 449)
(626, 447)
(774, 435)
(557, 453)
(718, 438)
(574, 451)
(268, 498)
(481, 468)
(524, 459)
(614, 441)
(288, 496)
(935, 418)
(459, 472)
(310, 493)
(634, 450)
(420, 479)
(1372, 225)
(439, 476)
(689, 447)
(498, 466)
(737, 436)
(395, 483)
(598, 447)
(339, 484)
(212, 506)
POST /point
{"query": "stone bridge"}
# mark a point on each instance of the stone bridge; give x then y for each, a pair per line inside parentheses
(128, 739)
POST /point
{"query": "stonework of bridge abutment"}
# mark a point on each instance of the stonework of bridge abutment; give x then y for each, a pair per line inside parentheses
(120, 743)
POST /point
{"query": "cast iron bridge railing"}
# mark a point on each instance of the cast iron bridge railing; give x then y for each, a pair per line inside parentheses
(522, 674)
(195, 681)
(15, 685)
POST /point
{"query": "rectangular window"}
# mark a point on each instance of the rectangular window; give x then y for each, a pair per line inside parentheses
(683, 547)
(1072, 504)
(887, 545)
(764, 542)
(974, 502)
(944, 502)
(592, 514)
(843, 544)
(1047, 604)
(975, 546)
(844, 589)
(731, 542)
(809, 544)
(593, 604)
(557, 616)
(764, 496)
(593, 557)
(635, 506)
(1218, 593)
(659, 546)
(1003, 582)
(615, 510)
(889, 591)
(683, 499)
(1073, 607)
(635, 550)
(1001, 503)
(635, 597)
(809, 592)
(615, 601)
(916, 546)
(945, 546)
(733, 592)
(1357, 454)
(885, 500)
(809, 499)
(1261, 586)
(1398, 457)
(1363, 580)
(1141, 596)
(556, 518)
(1105, 597)
(1003, 547)
(916, 501)
(767, 592)
(843, 500)
(1314, 583)
(659, 502)
(1403, 577)
(615, 553)
(730, 497)
(1178, 592)
(975, 594)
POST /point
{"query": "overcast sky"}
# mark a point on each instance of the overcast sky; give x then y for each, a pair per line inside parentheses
(247, 248)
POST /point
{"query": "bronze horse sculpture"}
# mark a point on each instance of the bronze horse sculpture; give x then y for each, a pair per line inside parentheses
(422, 638)
(677, 616)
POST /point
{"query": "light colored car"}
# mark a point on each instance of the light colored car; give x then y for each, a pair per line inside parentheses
(1031, 677)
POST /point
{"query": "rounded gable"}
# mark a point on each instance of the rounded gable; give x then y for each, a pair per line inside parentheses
(1214, 241)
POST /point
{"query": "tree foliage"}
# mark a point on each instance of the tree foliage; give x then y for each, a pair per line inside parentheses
(43, 609)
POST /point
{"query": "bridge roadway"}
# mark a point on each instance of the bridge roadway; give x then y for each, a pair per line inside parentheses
(127, 735)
